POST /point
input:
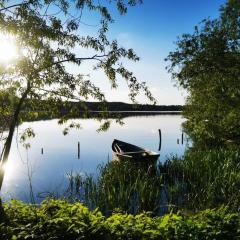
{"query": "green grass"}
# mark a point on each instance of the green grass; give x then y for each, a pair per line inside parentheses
(199, 180)
(132, 188)
(203, 179)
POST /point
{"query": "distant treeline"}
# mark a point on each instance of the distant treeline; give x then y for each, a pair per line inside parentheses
(49, 109)
(98, 106)
(52, 108)
(121, 106)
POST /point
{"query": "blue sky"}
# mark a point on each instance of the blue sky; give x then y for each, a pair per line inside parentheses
(151, 29)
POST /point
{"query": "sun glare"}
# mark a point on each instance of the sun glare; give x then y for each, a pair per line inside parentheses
(10, 169)
(8, 48)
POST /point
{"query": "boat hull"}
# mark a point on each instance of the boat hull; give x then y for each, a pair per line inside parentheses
(122, 157)
(128, 152)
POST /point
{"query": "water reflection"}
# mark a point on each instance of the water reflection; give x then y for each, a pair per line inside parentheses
(60, 152)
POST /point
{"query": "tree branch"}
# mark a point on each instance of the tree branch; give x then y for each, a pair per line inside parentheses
(14, 5)
(95, 57)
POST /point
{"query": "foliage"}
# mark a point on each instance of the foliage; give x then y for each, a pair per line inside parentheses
(203, 179)
(50, 44)
(206, 64)
(58, 219)
(47, 35)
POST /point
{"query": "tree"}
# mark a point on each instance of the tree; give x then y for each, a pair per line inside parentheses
(206, 64)
(46, 33)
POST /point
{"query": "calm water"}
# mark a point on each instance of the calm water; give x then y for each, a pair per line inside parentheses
(48, 170)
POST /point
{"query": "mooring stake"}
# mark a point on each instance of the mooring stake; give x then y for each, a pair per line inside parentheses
(160, 140)
(78, 150)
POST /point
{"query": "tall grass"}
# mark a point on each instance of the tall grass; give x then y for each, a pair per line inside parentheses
(203, 179)
(123, 186)
(198, 180)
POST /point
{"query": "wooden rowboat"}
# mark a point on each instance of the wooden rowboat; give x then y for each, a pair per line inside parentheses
(127, 151)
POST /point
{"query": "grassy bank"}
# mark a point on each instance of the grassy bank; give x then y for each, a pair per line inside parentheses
(58, 219)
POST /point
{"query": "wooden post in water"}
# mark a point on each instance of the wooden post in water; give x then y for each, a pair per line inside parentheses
(182, 138)
(160, 140)
(78, 150)
(42, 151)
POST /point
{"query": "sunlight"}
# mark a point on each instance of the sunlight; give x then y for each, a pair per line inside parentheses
(9, 167)
(8, 48)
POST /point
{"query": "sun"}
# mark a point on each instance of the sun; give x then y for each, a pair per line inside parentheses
(8, 48)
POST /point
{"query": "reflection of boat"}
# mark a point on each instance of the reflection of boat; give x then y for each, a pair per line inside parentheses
(127, 151)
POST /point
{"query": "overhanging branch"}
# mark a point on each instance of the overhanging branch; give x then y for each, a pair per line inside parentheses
(14, 5)
(95, 57)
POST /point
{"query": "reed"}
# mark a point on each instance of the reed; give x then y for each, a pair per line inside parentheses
(123, 186)
(203, 179)
(198, 180)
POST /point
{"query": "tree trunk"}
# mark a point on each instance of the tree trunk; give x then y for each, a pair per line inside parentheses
(8, 143)
(7, 147)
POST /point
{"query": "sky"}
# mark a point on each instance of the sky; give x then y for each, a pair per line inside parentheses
(151, 30)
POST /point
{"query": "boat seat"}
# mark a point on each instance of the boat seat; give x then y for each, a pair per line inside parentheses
(117, 148)
(136, 152)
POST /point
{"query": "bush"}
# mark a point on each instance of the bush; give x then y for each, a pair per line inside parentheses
(59, 219)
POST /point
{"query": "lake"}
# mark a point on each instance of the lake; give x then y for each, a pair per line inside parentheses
(48, 170)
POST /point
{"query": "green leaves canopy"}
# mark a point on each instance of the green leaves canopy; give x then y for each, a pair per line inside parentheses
(47, 33)
(206, 64)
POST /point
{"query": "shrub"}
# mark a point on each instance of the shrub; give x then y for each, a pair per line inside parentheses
(59, 219)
